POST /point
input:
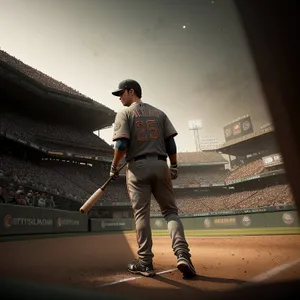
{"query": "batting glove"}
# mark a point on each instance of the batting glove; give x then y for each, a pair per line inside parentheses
(174, 171)
(113, 173)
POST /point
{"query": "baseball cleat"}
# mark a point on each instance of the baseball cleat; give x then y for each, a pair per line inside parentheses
(185, 266)
(137, 267)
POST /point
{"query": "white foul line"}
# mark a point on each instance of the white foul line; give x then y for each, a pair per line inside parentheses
(271, 273)
(134, 278)
(257, 279)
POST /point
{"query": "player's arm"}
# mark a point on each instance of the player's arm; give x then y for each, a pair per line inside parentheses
(121, 136)
(120, 150)
(169, 134)
(171, 150)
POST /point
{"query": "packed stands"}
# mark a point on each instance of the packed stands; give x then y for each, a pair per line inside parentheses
(20, 195)
(269, 196)
(43, 178)
(187, 158)
(72, 181)
(76, 181)
(189, 202)
(199, 175)
(91, 178)
(200, 167)
(42, 132)
(248, 169)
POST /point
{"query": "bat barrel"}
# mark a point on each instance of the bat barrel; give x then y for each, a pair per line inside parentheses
(84, 208)
(91, 201)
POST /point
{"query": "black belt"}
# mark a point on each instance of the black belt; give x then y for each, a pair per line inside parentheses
(159, 157)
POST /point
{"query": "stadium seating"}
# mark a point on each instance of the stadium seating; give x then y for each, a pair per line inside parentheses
(39, 131)
(196, 175)
(199, 157)
(248, 169)
(269, 196)
(78, 182)
(72, 181)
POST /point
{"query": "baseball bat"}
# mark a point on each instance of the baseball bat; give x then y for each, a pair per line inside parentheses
(97, 194)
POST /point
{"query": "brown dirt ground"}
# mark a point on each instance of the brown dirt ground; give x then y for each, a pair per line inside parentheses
(89, 261)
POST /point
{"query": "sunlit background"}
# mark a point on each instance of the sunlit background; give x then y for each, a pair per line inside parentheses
(190, 57)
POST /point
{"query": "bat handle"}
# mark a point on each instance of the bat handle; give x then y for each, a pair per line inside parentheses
(90, 202)
(111, 177)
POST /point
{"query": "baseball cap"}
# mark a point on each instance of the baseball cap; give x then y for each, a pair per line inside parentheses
(127, 84)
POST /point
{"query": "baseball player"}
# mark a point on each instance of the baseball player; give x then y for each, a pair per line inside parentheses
(144, 135)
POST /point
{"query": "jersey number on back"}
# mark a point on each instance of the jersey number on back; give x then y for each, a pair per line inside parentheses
(146, 129)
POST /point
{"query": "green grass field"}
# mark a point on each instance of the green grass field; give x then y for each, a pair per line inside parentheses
(235, 232)
(196, 233)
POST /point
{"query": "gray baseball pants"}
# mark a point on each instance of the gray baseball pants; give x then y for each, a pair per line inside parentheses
(143, 178)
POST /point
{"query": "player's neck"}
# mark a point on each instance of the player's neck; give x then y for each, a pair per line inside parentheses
(136, 100)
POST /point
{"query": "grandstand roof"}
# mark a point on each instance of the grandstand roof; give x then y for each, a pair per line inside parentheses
(197, 158)
(46, 81)
(251, 143)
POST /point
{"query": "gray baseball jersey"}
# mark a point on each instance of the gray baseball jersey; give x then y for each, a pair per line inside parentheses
(146, 127)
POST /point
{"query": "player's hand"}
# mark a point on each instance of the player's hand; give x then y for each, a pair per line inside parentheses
(113, 172)
(174, 171)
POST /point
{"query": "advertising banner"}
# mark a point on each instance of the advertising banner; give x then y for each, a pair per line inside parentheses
(272, 160)
(111, 224)
(69, 221)
(25, 220)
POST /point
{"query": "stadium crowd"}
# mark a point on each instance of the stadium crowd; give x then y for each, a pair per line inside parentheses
(34, 130)
(77, 182)
(192, 175)
(72, 181)
(192, 203)
(11, 194)
(37, 183)
(248, 169)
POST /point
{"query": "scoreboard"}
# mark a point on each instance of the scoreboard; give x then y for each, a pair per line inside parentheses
(238, 128)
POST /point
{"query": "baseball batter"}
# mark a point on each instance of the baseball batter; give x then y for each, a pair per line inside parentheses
(145, 136)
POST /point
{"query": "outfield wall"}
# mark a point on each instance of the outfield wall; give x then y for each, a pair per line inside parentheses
(18, 220)
(251, 220)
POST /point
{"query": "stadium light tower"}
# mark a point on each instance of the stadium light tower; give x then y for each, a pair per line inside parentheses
(196, 126)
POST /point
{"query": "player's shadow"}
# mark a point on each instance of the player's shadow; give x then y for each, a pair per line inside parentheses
(217, 279)
(198, 278)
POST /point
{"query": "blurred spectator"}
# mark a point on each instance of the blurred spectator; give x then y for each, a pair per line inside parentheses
(30, 198)
(20, 197)
(50, 202)
(41, 200)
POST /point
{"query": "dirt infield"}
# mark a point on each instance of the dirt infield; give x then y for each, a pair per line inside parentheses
(96, 262)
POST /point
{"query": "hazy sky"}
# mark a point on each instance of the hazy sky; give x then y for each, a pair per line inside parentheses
(190, 56)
